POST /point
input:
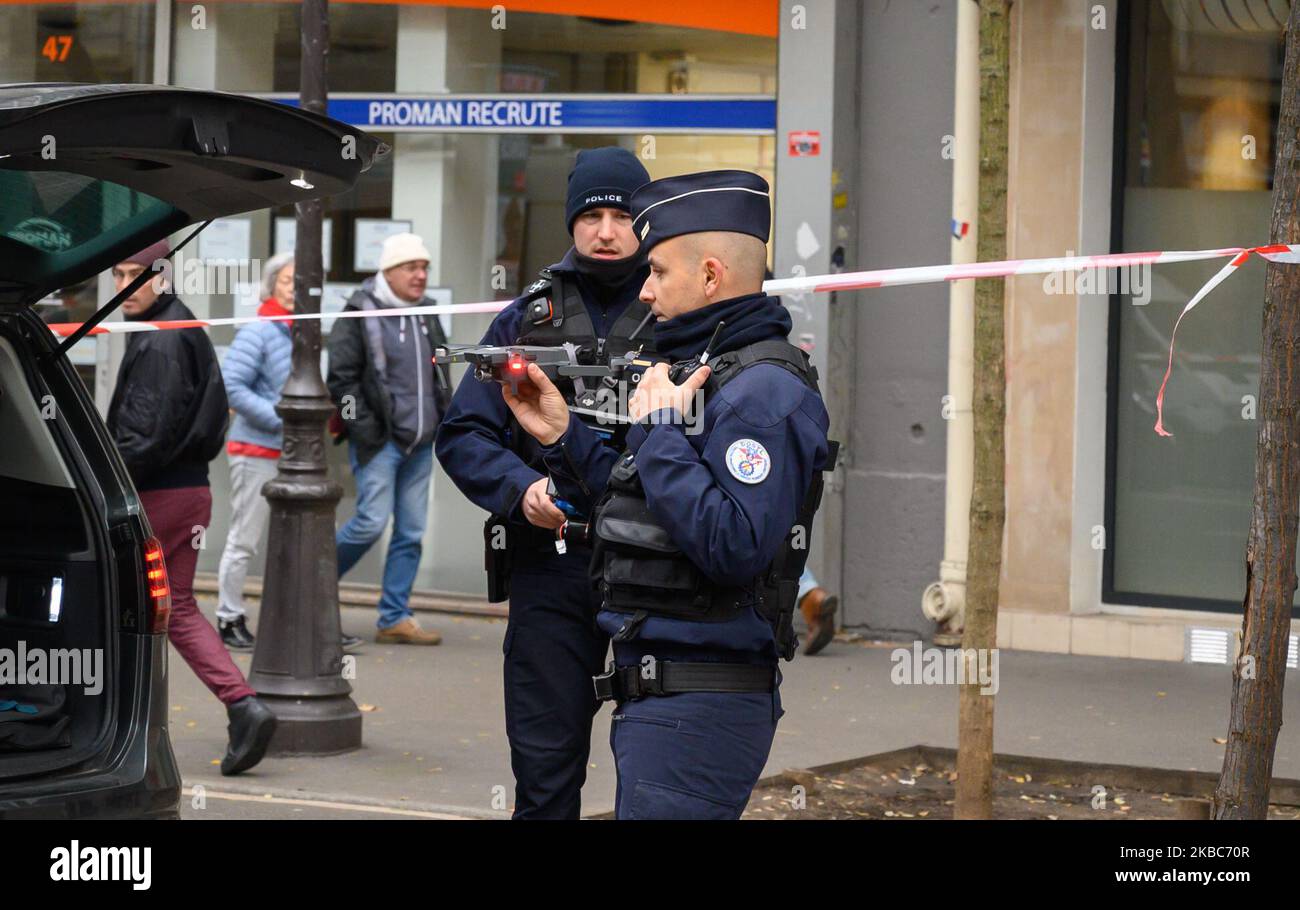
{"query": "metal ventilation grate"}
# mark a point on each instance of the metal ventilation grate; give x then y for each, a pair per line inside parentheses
(1208, 646)
(1216, 646)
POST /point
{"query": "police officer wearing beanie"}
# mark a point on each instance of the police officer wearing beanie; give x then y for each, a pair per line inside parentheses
(701, 527)
(552, 646)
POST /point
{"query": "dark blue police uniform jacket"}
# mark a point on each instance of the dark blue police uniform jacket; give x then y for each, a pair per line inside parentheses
(551, 648)
(729, 527)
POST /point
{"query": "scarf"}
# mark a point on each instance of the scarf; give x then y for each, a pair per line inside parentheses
(751, 318)
(379, 296)
(607, 279)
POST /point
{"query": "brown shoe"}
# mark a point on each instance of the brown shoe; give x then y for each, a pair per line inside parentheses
(406, 632)
(818, 610)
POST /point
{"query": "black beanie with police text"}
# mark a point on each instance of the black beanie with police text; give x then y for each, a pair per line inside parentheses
(603, 178)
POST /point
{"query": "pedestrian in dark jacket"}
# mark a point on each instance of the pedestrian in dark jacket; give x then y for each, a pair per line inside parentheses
(168, 418)
(391, 397)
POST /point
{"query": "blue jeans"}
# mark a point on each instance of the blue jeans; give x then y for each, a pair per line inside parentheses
(807, 582)
(396, 484)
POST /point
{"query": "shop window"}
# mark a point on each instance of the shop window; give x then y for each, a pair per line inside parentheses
(1198, 89)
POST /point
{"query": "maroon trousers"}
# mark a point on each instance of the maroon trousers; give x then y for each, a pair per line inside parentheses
(178, 517)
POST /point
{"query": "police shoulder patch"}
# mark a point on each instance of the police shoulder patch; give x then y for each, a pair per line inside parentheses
(748, 461)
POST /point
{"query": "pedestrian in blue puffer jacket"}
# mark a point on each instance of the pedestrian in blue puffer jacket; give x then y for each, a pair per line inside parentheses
(255, 370)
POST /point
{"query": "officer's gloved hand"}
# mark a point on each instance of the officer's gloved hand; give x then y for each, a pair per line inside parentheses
(539, 407)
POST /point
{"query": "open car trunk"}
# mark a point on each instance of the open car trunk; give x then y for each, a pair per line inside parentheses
(57, 619)
(90, 174)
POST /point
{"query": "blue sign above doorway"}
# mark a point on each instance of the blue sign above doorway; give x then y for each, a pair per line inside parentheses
(664, 114)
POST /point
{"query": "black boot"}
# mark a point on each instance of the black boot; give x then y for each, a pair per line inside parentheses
(235, 635)
(251, 726)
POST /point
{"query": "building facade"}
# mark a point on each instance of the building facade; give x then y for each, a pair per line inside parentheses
(1140, 125)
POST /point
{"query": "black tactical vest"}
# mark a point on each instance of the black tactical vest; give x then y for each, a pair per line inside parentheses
(640, 570)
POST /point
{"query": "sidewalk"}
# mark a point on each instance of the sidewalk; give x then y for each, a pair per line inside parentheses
(435, 745)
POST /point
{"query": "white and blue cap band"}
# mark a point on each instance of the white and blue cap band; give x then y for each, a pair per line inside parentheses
(734, 201)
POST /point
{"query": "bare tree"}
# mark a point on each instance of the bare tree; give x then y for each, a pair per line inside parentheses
(989, 406)
(1256, 714)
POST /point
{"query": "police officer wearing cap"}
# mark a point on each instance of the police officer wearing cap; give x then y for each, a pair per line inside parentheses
(700, 529)
(552, 644)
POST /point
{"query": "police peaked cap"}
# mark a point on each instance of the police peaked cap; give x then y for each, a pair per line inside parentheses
(734, 201)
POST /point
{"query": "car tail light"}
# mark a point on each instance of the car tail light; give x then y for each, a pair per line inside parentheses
(157, 591)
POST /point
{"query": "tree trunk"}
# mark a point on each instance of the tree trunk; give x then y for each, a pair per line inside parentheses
(988, 501)
(1257, 679)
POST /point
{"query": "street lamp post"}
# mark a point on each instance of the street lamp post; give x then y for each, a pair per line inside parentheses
(298, 660)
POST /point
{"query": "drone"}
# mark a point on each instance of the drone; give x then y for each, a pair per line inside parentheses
(508, 365)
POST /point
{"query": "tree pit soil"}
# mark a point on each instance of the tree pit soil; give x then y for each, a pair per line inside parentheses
(920, 784)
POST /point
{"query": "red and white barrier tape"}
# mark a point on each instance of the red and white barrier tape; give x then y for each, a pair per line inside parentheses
(161, 325)
(817, 284)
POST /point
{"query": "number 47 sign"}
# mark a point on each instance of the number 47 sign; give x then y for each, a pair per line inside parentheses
(56, 48)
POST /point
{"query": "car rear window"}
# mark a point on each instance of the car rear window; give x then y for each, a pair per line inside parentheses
(56, 212)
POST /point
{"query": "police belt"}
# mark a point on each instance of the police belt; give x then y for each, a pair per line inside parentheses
(672, 677)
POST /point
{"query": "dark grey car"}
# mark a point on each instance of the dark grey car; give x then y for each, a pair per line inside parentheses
(89, 174)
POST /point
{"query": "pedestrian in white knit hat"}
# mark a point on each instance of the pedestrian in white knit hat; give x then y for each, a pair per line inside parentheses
(400, 249)
(382, 373)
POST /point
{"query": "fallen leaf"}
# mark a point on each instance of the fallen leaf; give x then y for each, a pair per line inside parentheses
(367, 708)
(1220, 740)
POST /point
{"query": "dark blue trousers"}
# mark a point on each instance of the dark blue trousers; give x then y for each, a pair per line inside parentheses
(552, 650)
(694, 755)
